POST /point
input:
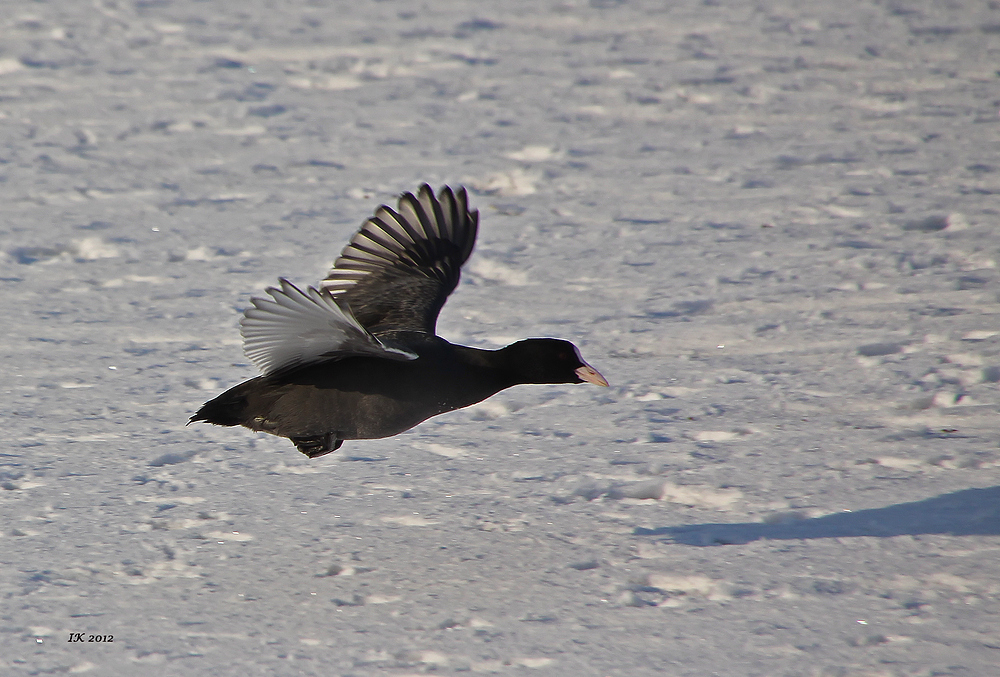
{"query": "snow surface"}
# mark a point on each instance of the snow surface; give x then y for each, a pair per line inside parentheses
(772, 226)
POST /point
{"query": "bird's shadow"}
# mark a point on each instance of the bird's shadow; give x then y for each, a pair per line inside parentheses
(971, 512)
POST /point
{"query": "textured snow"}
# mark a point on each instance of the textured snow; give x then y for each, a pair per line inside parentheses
(771, 225)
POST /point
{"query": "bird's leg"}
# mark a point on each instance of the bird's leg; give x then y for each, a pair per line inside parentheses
(314, 447)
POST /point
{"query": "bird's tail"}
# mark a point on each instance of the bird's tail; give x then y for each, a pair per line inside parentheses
(228, 409)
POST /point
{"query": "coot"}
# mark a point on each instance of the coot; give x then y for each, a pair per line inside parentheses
(357, 358)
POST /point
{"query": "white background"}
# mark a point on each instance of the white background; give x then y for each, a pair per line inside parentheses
(772, 226)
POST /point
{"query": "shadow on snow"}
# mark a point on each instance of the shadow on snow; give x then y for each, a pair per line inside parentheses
(971, 512)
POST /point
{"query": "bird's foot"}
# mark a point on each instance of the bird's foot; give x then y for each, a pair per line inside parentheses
(314, 447)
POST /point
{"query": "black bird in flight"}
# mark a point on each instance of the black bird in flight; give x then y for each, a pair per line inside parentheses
(358, 358)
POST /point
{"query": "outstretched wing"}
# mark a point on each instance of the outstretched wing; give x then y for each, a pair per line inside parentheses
(296, 328)
(399, 269)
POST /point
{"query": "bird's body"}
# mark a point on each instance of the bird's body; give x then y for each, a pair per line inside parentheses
(358, 359)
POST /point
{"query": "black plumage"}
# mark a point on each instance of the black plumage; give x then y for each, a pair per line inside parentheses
(358, 358)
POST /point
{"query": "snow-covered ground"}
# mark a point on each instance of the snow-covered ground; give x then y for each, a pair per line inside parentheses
(771, 225)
